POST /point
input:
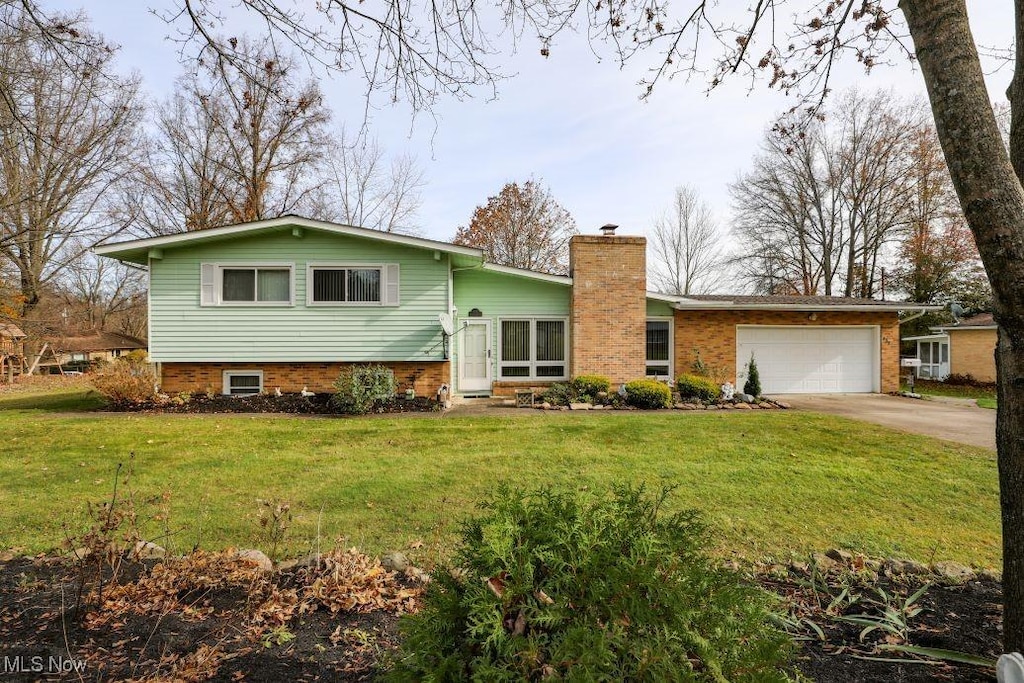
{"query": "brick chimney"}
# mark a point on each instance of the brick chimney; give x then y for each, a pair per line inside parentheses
(608, 313)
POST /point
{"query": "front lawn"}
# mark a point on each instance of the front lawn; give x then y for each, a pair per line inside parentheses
(771, 483)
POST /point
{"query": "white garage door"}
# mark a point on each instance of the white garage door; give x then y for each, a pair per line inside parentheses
(810, 360)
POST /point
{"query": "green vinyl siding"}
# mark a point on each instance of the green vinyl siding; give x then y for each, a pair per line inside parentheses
(499, 295)
(183, 331)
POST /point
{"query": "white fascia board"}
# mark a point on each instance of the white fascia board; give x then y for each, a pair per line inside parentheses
(530, 274)
(690, 305)
(285, 221)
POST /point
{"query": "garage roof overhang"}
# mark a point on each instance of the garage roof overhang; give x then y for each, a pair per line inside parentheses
(748, 303)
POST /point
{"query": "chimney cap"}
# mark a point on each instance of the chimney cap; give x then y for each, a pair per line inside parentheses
(608, 229)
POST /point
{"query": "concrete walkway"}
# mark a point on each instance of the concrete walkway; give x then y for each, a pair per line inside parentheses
(953, 421)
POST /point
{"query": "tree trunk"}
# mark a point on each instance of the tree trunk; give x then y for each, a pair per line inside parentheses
(993, 202)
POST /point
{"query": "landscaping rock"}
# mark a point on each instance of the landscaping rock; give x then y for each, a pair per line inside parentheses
(746, 398)
(256, 557)
(822, 561)
(395, 561)
(580, 406)
(916, 568)
(601, 395)
(545, 406)
(953, 571)
(782, 404)
(743, 406)
(840, 555)
(711, 407)
(894, 566)
(297, 563)
(144, 550)
(990, 575)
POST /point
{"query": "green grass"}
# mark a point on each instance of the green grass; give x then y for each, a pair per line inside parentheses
(771, 483)
(929, 387)
(989, 403)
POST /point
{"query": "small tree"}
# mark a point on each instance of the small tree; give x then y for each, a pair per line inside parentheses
(753, 383)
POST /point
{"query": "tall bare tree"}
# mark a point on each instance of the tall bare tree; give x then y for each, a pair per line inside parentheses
(234, 143)
(100, 294)
(822, 207)
(362, 186)
(68, 127)
(523, 227)
(688, 257)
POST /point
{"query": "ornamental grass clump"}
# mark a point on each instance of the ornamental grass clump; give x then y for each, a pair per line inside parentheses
(581, 586)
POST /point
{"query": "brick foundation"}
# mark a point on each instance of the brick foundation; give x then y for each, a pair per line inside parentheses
(609, 306)
(424, 377)
(714, 334)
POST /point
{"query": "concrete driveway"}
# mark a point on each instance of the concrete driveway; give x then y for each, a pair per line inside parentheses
(954, 421)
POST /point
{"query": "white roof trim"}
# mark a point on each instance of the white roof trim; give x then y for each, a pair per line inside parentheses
(281, 222)
(532, 274)
(690, 304)
(949, 328)
(928, 337)
(658, 296)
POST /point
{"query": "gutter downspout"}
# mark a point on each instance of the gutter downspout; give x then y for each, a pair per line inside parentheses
(915, 316)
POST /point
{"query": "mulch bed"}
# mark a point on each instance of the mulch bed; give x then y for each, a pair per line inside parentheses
(318, 404)
(964, 618)
(203, 617)
(209, 616)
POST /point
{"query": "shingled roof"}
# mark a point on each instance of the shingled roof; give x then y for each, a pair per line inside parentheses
(102, 341)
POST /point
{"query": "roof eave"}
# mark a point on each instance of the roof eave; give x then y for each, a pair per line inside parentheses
(528, 274)
(858, 308)
(125, 249)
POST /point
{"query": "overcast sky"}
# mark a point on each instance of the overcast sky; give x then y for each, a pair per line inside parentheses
(574, 122)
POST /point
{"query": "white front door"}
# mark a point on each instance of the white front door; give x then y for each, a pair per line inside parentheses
(475, 356)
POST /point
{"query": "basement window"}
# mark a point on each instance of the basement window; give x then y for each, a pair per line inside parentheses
(243, 382)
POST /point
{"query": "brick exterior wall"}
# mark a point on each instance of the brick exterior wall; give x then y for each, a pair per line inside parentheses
(424, 377)
(714, 334)
(608, 311)
(973, 352)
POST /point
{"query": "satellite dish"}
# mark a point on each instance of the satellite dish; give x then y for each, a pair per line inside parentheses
(957, 310)
(446, 323)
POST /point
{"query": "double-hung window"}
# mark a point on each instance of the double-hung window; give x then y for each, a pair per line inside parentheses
(534, 348)
(659, 349)
(329, 284)
(266, 284)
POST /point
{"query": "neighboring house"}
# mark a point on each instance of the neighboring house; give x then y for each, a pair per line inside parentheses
(967, 348)
(86, 349)
(286, 303)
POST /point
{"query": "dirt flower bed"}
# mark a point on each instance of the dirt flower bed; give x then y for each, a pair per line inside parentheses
(217, 617)
(206, 616)
(317, 404)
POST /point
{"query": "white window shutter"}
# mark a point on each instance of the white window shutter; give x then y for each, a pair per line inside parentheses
(390, 285)
(207, 288)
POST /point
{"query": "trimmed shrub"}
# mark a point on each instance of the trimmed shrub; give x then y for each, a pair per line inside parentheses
(694, 386)
(360, 388)
(579, 586)
(589, 386)
(558, 394)
(753, 384)
(648, 393)
(126, 381)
